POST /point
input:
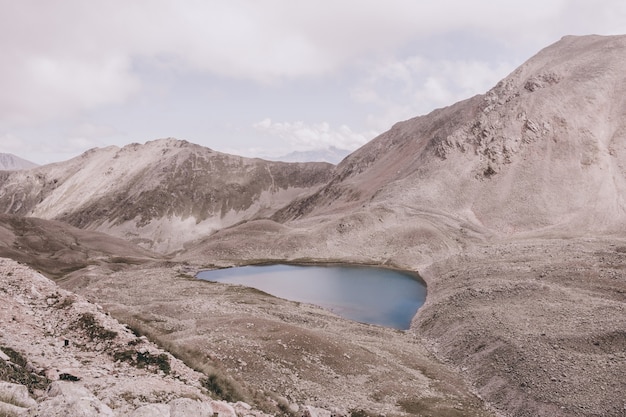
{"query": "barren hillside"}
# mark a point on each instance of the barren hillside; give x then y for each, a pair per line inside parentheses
(544, 149)
(56, 248)
(159, 195)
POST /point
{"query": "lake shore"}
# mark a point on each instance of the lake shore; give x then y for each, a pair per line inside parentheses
(371, 295)
(527, 327)
(301, 352)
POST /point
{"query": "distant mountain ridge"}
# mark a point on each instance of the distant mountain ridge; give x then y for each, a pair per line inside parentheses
(331, 155)
(10, 162)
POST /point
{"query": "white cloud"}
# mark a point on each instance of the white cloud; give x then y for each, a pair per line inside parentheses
(401, 89)
(301, 136)
(41, 88)
(63, 56)
(9, 143)
(63, 59)
(92, 131)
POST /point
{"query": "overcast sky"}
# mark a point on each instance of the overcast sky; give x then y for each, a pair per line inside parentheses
(258, 77)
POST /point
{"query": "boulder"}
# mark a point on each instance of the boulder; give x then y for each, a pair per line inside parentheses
(70, 399)
(16, 394)
(183, 407)
(12, 410)
(223, 409)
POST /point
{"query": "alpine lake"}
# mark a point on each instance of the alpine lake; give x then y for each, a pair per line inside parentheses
(371, 295)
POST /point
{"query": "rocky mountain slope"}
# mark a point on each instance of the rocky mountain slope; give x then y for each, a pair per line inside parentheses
(61, 355)
(543, 150)
(10, 162)
(542, 153)
(159, 195)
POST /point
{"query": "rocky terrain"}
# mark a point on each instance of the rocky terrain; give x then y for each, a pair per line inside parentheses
(305, 354)
(61, 355)
(538, 326)
(510, 205)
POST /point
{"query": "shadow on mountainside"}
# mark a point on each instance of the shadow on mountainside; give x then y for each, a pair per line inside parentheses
(56, 248)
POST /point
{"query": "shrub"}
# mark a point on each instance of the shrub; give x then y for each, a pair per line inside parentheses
(15, 356)
(143, 360)
(94, 330)
(222, 387)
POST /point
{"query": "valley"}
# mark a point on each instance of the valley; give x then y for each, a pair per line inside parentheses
(510, 205)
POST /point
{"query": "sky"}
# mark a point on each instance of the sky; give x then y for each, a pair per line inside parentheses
(258, 77)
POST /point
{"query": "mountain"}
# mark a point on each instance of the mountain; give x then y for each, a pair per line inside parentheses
(511, 205)
(161, 194)
(331, 155)
(10, 162)
(543, 151)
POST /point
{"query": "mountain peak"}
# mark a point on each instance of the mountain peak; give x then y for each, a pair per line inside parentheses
(10, 162)
(544, 149)
(331, 155)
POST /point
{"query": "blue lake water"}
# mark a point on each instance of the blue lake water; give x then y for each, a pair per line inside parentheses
(369, 295)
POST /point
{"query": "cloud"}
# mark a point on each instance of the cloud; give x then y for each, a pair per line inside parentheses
(10, 143)
(400, 89)
(301, 136)
(44, 88)
(92, 131)
(68, 57)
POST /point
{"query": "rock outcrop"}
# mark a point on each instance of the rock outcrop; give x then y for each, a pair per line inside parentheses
(61, 355)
